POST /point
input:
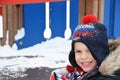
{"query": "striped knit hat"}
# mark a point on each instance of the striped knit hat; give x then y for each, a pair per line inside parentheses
(94, 35)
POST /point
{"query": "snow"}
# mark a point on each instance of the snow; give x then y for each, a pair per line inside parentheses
(52, 53)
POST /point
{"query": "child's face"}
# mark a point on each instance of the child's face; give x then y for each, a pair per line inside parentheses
(84, 57)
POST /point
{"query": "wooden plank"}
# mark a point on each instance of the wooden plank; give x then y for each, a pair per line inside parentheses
(101, 10)
(0, 21)
(4, 13)
(0, 9)
(15, 19)
(20, 16)
(81, 10)
(116, 19)
(89, 7)
(10, 24)
(95, 7)
(109, 13)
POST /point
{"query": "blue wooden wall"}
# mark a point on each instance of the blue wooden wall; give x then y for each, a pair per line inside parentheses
(34, 21)
(112, 18)
(34, 25)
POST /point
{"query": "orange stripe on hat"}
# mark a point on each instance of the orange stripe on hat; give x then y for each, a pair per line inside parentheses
(26, 1)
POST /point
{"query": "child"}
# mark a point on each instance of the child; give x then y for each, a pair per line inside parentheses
(87, 56)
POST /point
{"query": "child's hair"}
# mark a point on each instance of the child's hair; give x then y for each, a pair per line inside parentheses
(94, 35)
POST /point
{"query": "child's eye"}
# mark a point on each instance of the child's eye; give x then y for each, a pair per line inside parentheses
(77, 51)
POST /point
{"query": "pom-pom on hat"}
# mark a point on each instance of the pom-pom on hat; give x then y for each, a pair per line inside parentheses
(94, 35)
(89, 18)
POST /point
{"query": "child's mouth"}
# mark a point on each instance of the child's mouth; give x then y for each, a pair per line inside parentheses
(86, 64)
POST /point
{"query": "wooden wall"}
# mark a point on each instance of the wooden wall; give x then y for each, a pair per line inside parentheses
(12, 20)
(13, 17)
(95, 7)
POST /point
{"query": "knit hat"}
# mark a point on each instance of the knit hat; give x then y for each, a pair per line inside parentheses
(94, 35)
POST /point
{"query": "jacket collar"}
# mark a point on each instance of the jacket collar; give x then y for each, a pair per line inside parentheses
(112, 63)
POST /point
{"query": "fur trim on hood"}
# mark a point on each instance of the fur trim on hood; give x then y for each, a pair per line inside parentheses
(112, 62)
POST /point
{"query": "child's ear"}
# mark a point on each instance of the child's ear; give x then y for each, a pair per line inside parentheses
(113, 44)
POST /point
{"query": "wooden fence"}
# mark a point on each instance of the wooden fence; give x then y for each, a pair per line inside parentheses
(13, 17)
(95, 7)
(12, 21)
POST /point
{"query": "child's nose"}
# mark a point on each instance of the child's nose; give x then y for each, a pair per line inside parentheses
(84, 55)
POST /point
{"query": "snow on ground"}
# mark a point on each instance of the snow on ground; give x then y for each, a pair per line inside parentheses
(52, 53)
